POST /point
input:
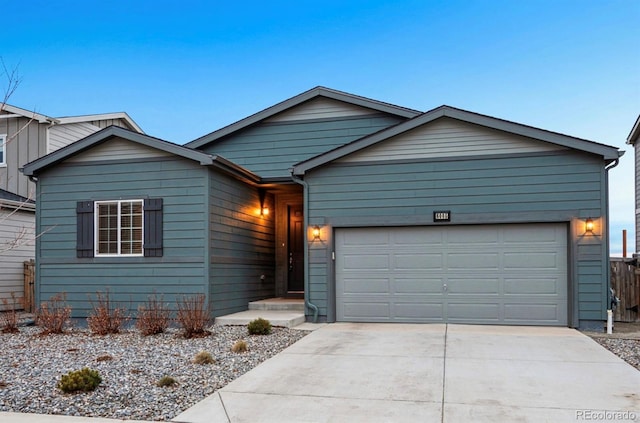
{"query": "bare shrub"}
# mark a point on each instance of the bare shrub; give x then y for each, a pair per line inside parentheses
(153, 316)
(9, 318)
(53, 315)
(193, 316)
(106, 318)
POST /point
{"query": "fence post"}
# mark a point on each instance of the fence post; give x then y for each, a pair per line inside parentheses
(29, 285)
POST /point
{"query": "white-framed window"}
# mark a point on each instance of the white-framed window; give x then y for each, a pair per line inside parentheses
(3, 149)
(119, 227)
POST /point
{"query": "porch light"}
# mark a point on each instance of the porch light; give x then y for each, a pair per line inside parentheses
(264, 211)
(315, 232)
(588, 226)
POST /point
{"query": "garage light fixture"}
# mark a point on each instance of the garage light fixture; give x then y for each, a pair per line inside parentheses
(588, 226)
(315, 232)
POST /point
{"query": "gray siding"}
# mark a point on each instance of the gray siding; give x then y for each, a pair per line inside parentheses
(182, 186)
(63, 135)
(103, 123)
(16, 246)
(119, 149)
(271, 149)
(321, 108)
(26, 141)
(539, 188)
(241, 245)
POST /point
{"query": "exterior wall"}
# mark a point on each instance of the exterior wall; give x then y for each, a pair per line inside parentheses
(23, 146)
(118, 149)
(63, 135)
(18, 226)
(270, 149)
(180, 271)
(103, 123)
(321, 108)
(241, 245)
(637, 161)
(450, 138)
(543, 187)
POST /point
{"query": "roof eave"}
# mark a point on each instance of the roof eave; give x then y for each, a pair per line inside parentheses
(634, 135)
(101, 116)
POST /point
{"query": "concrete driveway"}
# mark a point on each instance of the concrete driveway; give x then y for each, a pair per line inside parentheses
(431, 373)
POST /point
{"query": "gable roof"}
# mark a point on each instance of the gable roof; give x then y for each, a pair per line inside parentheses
(607, 152)
(299, 99)
(37, 166)
(634, 135)
(15, 201)
(19, 112)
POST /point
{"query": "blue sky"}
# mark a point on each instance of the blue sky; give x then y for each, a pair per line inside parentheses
(182, 69)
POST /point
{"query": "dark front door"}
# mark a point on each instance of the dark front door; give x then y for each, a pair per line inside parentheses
(295, 282)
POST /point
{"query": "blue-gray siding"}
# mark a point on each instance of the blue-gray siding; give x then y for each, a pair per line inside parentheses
(241, 245)
(270, 149)
(182, 186)
(559, 187)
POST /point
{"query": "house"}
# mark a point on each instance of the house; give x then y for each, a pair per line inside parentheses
(370, 211)
(632, 139)
(26, 136)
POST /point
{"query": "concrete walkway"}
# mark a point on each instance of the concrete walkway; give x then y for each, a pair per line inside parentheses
(431, 373)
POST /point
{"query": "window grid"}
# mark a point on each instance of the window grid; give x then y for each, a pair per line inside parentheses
(3, 149)
(119, 228)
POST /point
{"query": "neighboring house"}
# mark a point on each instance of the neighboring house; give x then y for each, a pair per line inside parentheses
(26, 136)
(632, 139)
(370, 211)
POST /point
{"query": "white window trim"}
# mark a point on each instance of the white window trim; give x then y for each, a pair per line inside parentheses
(96, 218)
(3, 149)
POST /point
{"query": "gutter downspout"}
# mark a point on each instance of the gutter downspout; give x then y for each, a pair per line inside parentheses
(607, 248)
(305, 212)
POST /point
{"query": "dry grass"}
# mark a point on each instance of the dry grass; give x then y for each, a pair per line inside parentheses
(240, 347)
(203, 357)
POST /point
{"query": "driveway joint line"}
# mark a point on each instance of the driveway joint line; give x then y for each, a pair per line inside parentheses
(444, 372)
(340, 397)
(224, 407)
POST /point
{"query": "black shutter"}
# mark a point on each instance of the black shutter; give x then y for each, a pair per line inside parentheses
(84, 239)
(153, 227)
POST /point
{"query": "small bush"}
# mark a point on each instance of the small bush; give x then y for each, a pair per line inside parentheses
(106, 318)
(153, 316)
(193, 316)
(84, 380)
(53, 315)
(9, 318)
(166, 381)
(203, 357)
(239, 347)
(259, 326)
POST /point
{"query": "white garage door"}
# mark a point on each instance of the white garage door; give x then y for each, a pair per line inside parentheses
(498, 274)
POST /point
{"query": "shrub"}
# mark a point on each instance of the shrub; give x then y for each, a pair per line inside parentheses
(84, 380)
(153, 316)
(166, 381)
(203, 357)
(193, 316)
(239, 347)
(9, 318)
(105, 318)
(53, 315)
(259, 326)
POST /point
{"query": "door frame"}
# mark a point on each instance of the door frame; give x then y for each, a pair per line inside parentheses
(282, 203)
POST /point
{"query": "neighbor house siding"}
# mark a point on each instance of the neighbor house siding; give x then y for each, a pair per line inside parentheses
(559, 187)
(180, 183)
(270, 149)
(63, 135)
(25, 142)
(241, 244)
(103, 123)
(16, 245)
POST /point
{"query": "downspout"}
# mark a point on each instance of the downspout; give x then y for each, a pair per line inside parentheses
(607, 169)
(305, 213)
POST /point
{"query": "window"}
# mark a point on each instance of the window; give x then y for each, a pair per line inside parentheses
(119, 227)
(116, 228)
(3, 149)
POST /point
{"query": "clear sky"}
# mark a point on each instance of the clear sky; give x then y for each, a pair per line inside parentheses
(182, 69)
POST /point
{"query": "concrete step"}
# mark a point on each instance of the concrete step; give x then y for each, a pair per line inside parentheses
(278, 304)
(283, 318)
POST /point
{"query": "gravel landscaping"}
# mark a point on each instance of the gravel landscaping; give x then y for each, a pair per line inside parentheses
(623, 342)
(130, 366)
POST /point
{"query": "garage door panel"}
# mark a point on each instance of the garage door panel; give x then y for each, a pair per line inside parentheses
(507, 274)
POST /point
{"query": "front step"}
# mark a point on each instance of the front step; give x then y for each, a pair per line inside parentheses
(283, 318)
(289, 304)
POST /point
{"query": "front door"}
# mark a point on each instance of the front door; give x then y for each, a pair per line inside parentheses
(295, 281)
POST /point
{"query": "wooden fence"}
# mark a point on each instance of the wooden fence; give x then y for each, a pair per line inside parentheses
(625, 281)
(29, 285)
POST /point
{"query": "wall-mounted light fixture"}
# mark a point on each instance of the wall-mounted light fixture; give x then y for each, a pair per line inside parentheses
(315, 233)
(264, 211)
(588, 226)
